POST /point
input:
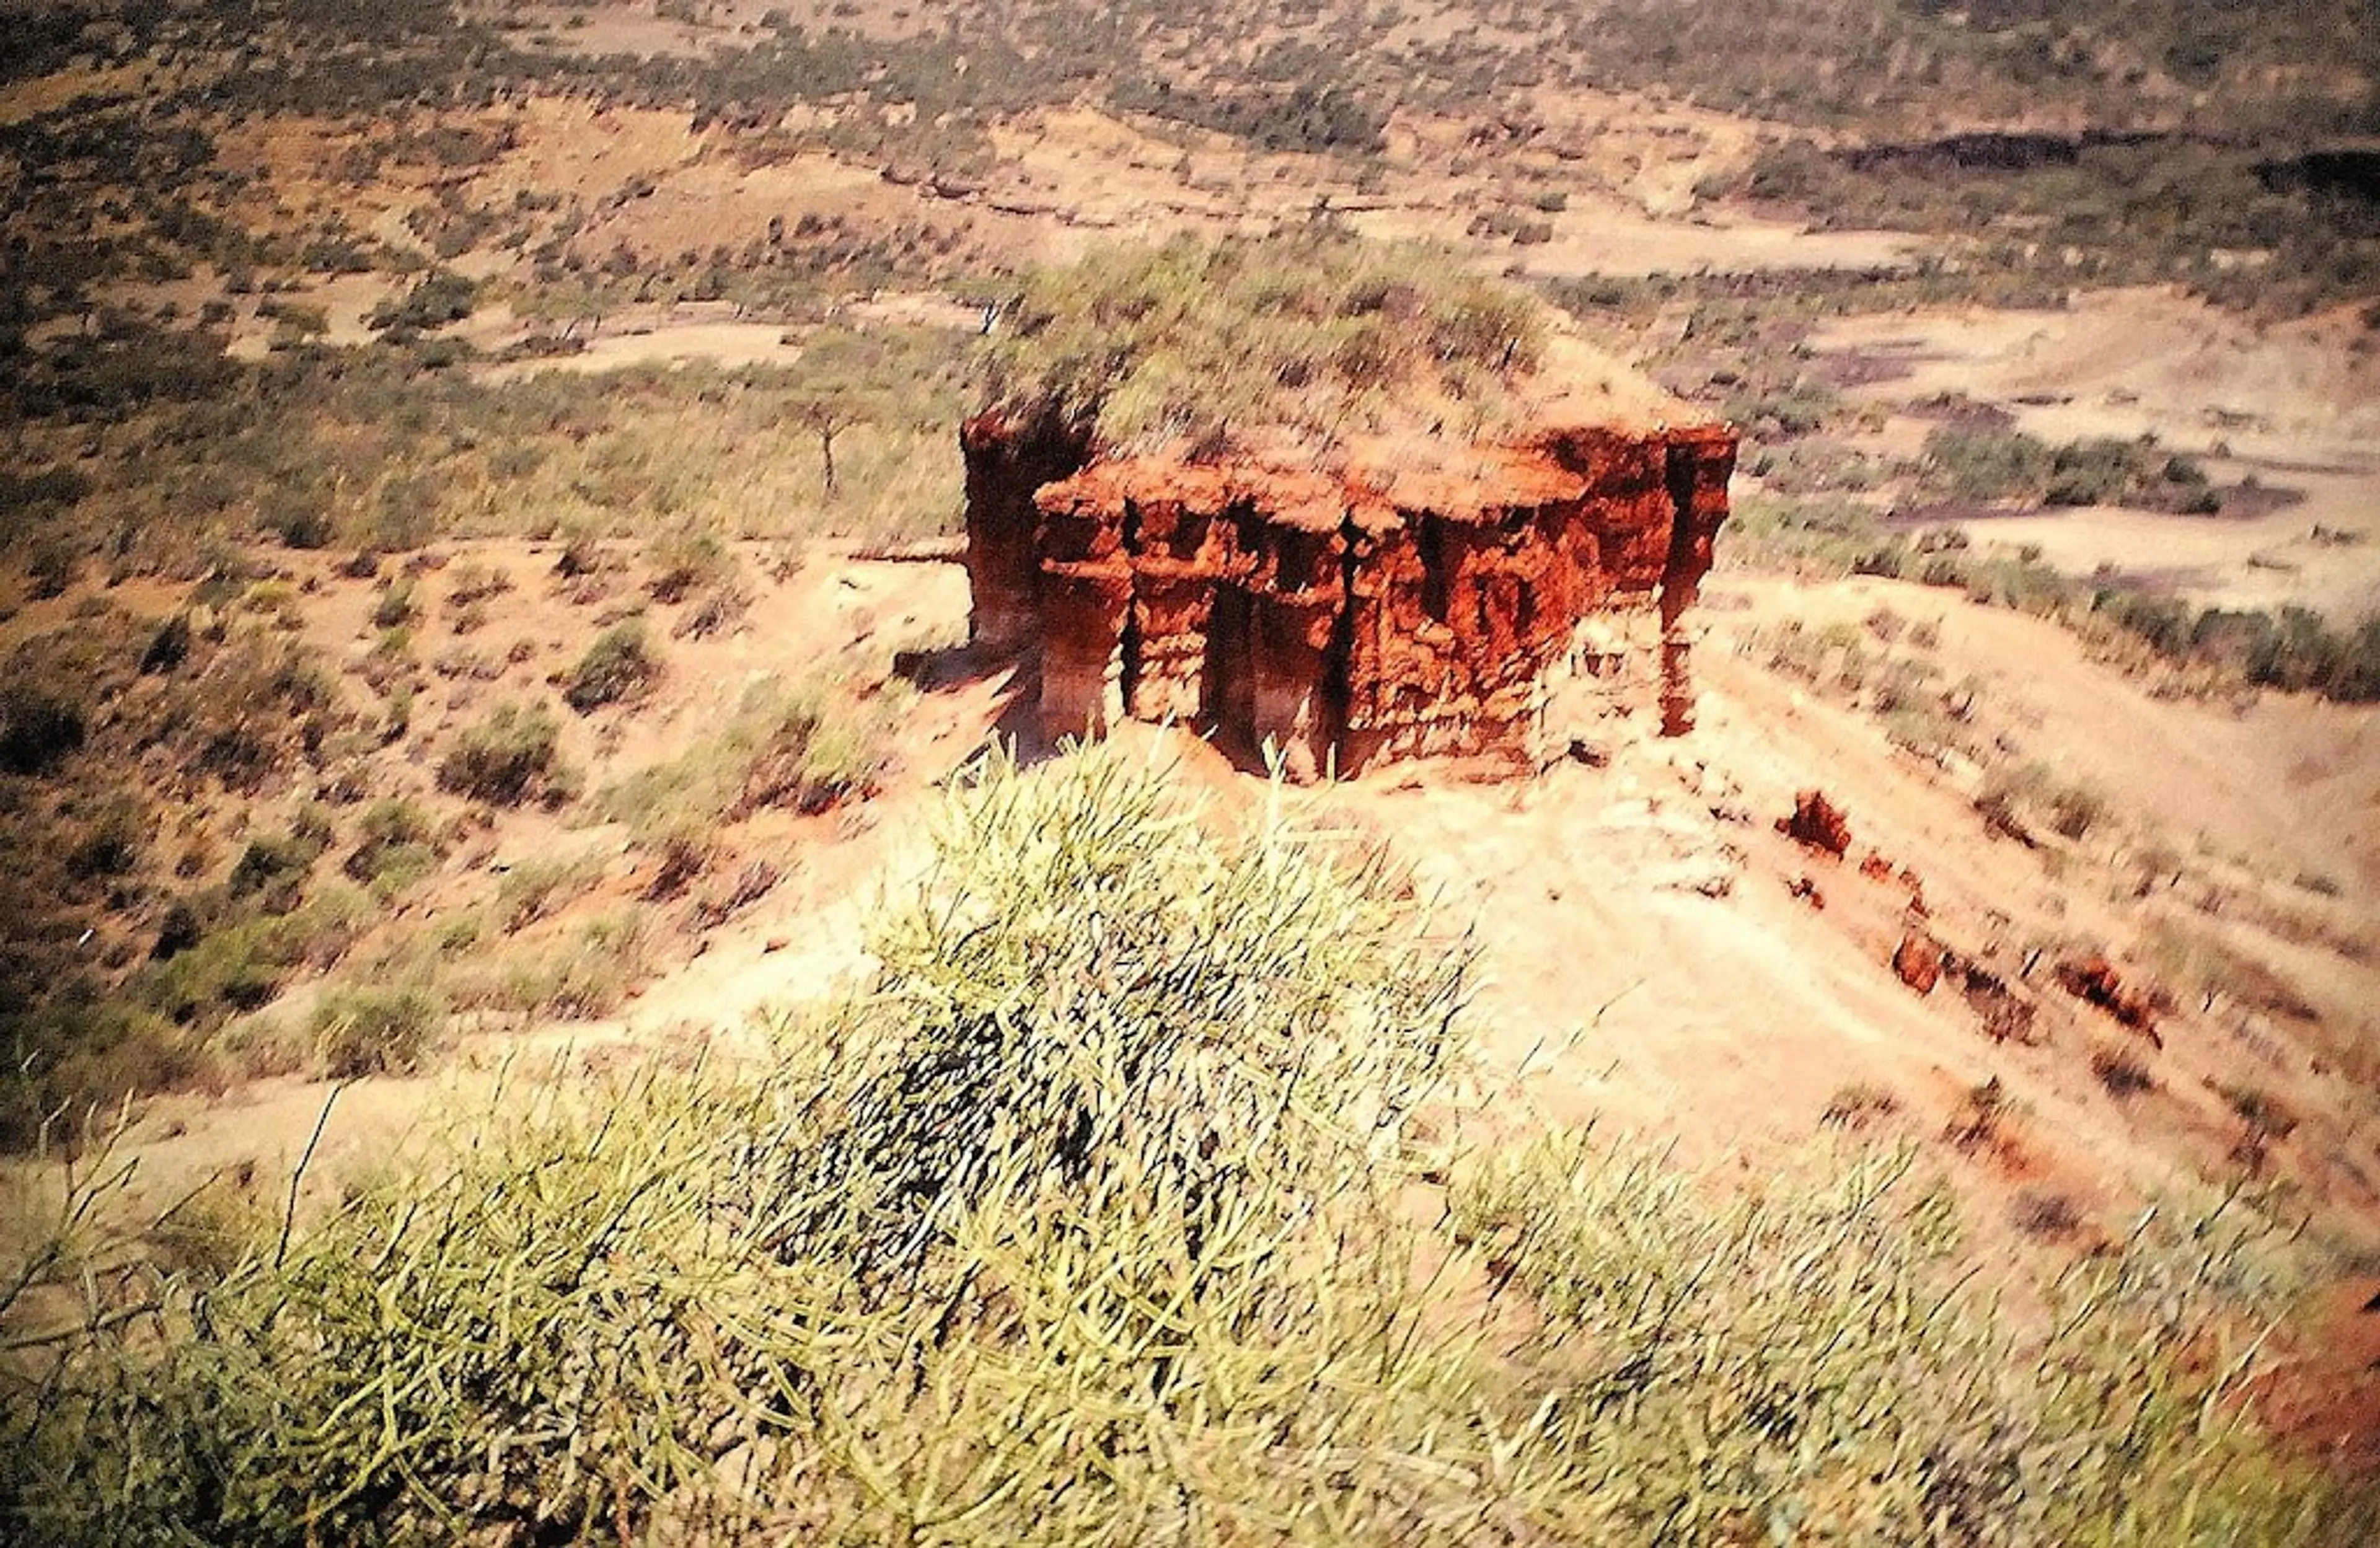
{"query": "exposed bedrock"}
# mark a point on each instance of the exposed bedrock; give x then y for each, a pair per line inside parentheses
(1007, 461)
(1400, 605)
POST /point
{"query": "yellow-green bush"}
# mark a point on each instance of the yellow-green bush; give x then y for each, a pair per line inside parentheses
(1313, 332)
(1091, 1220)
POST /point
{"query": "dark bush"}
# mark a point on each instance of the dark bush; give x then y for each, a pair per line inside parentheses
(618, 667)
(398, 841)
(38, 728)
(112, 842)
(273, 870)
(507, 758)
(179, 930)
(441, 297)
(2092, 472)
(168, 647)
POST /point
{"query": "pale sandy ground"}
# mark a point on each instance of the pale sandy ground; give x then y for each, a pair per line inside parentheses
(1614, 986)
(1642, 966)
(666, 342)
(2296, 406)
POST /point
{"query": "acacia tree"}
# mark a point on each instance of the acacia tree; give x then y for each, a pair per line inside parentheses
(853, 376)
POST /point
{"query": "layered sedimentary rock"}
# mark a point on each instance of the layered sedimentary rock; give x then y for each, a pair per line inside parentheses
(1400, 601)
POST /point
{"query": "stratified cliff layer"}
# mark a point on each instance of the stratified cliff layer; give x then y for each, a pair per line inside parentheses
(1404, 600)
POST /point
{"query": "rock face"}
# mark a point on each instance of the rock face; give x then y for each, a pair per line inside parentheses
(1398, 602)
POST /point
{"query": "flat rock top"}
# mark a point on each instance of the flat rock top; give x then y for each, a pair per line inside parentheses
(1381, 479)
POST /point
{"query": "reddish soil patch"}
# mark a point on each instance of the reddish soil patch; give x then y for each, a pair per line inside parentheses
(2327, 1398)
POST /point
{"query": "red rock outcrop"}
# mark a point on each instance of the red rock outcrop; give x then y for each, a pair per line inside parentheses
(1399, 600)
(1817, 824)
(1918, 960)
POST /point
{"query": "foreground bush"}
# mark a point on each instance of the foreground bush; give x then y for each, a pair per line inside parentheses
(1091, 1222)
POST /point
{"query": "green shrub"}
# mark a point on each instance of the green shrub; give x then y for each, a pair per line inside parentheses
(396, 843)
(2094, 472)
(578, 979)
(807, 748)
(441, 296)
(77, 1055)
(512, 756)
(1974, 464)
(810, 756)
(373, 1030)
(1318, 334)
(395, 608)
(1821, 1373)
(535, 888)
(680, 564)
(275, 868)
(618, 668)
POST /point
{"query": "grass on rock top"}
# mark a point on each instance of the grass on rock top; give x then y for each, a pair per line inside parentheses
(1315, 334)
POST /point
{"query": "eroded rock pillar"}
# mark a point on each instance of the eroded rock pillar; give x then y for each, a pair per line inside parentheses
(1699, 464)
(1006, 462)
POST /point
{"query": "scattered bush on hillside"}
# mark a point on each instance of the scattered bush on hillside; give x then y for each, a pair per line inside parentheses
(537, 887)
(618, 668)
(2289, 647)
(39, 728)
(80, 1056)
(372, 1031)
(396, 842)
(807, 757)
(583, 976)
(2122, 1072)
(441, 296)
(168, 647)
(256, 710)
(1310, 115)
(682, 563)
(271, 871)
(512, 756)
(807, 746)
(395, 608)
(1984, 463)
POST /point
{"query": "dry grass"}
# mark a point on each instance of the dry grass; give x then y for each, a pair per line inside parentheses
(1084, 1223)
(1194, 343)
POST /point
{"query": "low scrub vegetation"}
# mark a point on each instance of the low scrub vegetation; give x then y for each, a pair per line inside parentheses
(2236, 219)
(2289, 647)
(373, 1030)
(618, 668)
(1191, 341)
(806, 746)
(1970, 463)
(510, 757)
(1088, 1221)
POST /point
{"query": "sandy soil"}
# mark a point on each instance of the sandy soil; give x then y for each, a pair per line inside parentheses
(2294, 407)
(666, 342)
(1643, 960)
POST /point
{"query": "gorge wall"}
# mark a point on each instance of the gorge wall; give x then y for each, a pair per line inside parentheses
(1406, 601)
